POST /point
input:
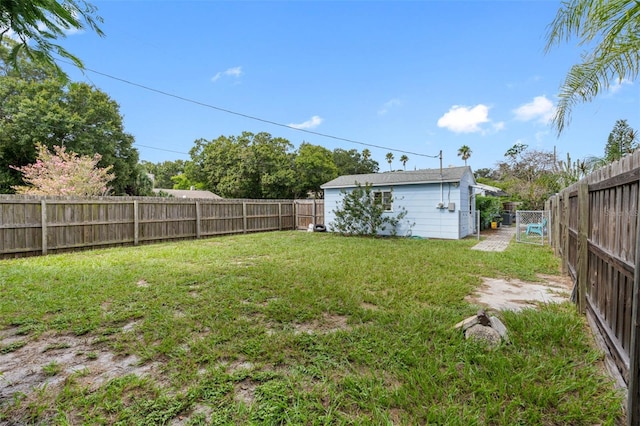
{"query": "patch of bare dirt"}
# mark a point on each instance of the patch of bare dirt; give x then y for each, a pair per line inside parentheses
(245, 391)
(199, 410)
(28, 368)
(515, 295)
(239, 365)
(327, 324)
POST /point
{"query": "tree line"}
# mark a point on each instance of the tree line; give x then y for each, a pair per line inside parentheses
(259, 166)
(531, 176)
(39, 105)
(39, 110)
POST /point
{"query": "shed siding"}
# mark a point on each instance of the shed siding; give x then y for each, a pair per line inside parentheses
(467, 209)
(420, 201)
(331, 198)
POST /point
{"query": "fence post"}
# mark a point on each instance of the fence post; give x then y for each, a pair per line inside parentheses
(279, 216)
(556, 214)
(244, 217)
(633, 388)
(565, 232)
(295, 215)
(136, 223)
(583, 248)
(314, 211)
(43, 213)
(198, 217)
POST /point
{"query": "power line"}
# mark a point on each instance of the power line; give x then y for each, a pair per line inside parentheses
(250, 117)
(160, 149)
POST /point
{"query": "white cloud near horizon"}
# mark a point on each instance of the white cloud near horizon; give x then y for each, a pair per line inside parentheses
(395, 102)
(540, 109)
(312, 123)
(234, 72)
(462, 119)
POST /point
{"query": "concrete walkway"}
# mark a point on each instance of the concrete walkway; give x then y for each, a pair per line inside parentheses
(496, 239)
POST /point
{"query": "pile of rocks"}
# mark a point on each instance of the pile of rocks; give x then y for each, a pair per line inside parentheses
(484, 328)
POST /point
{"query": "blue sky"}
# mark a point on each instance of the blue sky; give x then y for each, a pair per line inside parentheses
(415, 76)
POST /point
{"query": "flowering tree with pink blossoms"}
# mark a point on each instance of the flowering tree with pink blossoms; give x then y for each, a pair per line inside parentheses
(64, 173)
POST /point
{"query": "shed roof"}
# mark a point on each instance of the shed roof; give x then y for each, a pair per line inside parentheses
(490, 190)
(449, 174)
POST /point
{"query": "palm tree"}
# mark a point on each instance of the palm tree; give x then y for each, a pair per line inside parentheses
(366, 154)
(403, 160)
(613, 27)
(465, 153)
(389, 158)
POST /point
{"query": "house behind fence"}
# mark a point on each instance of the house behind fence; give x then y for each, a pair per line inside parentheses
(32, 225)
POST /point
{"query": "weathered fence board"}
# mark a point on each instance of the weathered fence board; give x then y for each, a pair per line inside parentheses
(597, 224)
(40, 225)
(309, 212)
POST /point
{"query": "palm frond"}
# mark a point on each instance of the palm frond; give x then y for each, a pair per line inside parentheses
(616, 56)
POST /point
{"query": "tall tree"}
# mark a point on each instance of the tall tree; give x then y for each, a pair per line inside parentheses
(530, 176)
(351, 162)
(314, 166)
(389, 157)
(247, 166)
(611, 28)
(52, 112)
(621, 141)
(464, 152)
(403, 160)
(36, 25)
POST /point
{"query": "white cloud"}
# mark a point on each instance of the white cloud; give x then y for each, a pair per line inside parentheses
(234, 72)
(395, 102)
(462, 119)
(618, 85)
(312, 123)
(541, 109)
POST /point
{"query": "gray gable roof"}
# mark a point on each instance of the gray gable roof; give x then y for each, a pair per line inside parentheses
(449, 174)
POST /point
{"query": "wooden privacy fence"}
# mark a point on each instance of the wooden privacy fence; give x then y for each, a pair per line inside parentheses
(308, 212)
(40, 225)
(595, 231)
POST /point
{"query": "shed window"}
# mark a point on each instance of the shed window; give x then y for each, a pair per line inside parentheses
(384, 198)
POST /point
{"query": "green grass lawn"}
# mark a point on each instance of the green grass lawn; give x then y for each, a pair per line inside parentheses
(292, 328)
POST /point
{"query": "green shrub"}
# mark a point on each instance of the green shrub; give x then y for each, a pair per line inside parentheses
(489, 208)
(361, 213)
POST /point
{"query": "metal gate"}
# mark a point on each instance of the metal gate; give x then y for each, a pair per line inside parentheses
(533, 226)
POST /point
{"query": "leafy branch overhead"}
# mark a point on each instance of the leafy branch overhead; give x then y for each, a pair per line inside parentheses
(613, 28)
(37, 24)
